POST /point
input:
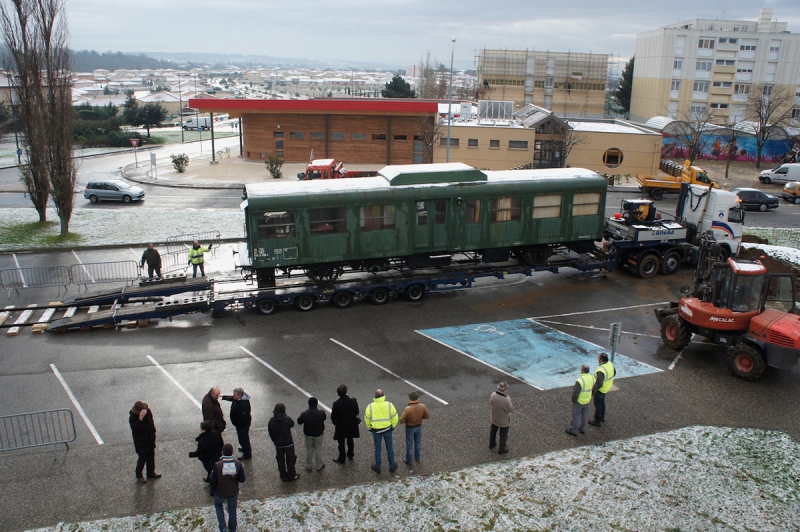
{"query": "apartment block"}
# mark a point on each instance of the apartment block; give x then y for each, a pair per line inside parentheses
(709, 66)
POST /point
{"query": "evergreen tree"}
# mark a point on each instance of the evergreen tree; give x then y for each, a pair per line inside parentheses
(623, 93)
(398, 88)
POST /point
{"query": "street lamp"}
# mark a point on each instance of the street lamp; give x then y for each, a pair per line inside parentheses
(14, 117)
(180, 105)
(351, 82)
(450, 105)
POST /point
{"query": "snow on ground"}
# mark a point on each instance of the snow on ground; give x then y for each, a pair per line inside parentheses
(695, 478)
(778, 252)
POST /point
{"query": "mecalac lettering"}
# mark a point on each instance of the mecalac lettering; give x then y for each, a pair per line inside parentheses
(686, 310)
(720, 320)
(662, 232)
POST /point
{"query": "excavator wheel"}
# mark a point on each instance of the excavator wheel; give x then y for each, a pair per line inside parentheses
(746, 361)
(675, 332)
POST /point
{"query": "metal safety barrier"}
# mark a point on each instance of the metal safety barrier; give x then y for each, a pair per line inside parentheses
(104, 272)
(40, 277)
(37, 429)
(174, 260)
(177, 242)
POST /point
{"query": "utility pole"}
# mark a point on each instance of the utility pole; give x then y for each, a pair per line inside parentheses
(450, 105)
(180, 105)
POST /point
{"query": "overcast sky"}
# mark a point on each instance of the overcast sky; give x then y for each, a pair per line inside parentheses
(395, 32)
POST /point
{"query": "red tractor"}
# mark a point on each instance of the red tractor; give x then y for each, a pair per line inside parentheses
(737, 303)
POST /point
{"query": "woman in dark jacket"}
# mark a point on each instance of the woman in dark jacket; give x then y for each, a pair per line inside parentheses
(209, 447)
(143, 429)
(344, 416)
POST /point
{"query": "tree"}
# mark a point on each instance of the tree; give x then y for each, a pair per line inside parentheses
(36, 37)
(398, 88)
(151, 114)
(428, 129)
(623, 92)
(730, 135)
(6, 118)
(768, 110)
(692, 130)
(563, 139)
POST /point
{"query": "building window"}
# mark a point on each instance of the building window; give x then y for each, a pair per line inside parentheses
(676, 85)
(377, 218)
(612, 157)
(400, 137)
(278, 154)
(796, 112)
(744, 70)
(296, 135)
(279, 134)
(378, 136)
(723, 40)
(723, 84)
(725, 62)
(317, 135)
(700, 86)
(767, 90)
(677, 64)
(506, 209)
(337, 135)
(278, 144)
(517, 144)
(703, 65)
(719, 105)
(774, 48)
(547, 206)
(494, 144)
(328, 221)
(472, 143)
(473, 214)
(740, 28)
(276, 225)
(359, 136)
(747, 47)
(706, 44)
(733, 40)
(697, 111)
(741, 89)
(453, 142)
(587, 203)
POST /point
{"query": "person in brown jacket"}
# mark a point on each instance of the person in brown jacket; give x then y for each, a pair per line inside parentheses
(212, 411)
(500, 402)
(412, 416)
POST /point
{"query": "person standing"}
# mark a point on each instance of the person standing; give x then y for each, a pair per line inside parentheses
(143, 430)
(313, 421)
(212, 411)
(196, 257)
(226, 476)
(381, 419)
(344, 416)
(581, 396)
(412, 417)
(152, 257)
(604, 379)
(241, 419)
(280, 432)
(500, 404)
(209, 447)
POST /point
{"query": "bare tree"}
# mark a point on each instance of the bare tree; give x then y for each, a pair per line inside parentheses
(769, 108)
(427, 76)
(730, 135)
(36, 35)
(692, 128)
(428, 129)
(562, 138)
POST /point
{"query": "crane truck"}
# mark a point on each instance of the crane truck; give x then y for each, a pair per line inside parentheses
(656, 186)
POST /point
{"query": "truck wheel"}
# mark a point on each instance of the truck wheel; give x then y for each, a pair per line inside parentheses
(671, 263)
(648, 266)
(379, 296)
(342, 299)
(657, 194)
(415, 292)
(267, 306)
(675, 332)
(304, 303)
(746, 361)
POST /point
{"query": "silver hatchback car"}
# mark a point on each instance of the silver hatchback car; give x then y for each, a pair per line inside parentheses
(112, 190)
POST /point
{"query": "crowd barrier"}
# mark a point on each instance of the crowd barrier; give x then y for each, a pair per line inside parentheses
(37, 429)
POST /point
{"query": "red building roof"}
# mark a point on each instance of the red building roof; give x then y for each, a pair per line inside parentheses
(322, 105)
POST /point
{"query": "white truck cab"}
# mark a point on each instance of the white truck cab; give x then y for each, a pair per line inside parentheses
(715, 210)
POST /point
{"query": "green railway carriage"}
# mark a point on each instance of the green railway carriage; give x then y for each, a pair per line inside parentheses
(418, 216)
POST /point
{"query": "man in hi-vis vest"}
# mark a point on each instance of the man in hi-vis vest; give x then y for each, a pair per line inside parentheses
(604, 379)
(581, 396)
(381, 418)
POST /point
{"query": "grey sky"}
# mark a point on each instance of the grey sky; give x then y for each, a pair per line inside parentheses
(395, 32)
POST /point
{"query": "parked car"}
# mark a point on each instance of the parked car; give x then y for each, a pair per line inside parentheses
(112, 190)
(755, 199)
(782, 174)
(791, 192)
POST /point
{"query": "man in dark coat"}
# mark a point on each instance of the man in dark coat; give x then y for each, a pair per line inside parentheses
(313, 421)
(280, 432)
(241, 419)
(209, 447)
(212, 411)
(143, 429)
(344, 416)
(225, 478)
(152, 257)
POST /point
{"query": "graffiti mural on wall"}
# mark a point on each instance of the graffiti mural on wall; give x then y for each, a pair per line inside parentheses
(743, 149)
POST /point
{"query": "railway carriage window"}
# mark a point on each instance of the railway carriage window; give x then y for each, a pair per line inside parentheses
(440, 212)
(422, 213)
(547, 206)
(377, 218)
(506, 209)
(328, 221)
(473, 211)
(276, 225)
(585, 204)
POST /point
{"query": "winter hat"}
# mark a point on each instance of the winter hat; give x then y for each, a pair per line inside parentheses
(312, 402)
(502, 387)
(413, 396)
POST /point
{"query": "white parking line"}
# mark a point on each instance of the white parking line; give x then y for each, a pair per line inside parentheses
(282, 376)
(598, 311)
(175, 382)
(387, 370)
(596, 328)
(81, 263)
(478, 360)
(77, 405)
(24, 284)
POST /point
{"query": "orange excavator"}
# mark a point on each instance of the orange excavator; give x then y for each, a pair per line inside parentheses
(738, 304)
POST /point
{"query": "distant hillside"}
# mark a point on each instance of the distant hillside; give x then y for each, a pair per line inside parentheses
(87, 61)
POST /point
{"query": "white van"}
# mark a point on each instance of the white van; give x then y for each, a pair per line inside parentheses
(785, 173)
(197, 121)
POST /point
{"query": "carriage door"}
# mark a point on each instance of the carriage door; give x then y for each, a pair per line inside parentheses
(431, 225)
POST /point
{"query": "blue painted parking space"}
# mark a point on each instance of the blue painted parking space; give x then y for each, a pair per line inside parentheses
(535, 353)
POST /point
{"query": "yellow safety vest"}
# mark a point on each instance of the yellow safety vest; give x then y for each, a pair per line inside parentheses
(380, 414)
(196, 255)
(587, 382)
(608, 376)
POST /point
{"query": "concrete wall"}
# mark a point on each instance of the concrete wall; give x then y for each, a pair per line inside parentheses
(483, 156)
(641, 152)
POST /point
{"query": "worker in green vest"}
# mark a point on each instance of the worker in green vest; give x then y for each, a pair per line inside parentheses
(604, 379)
(381, 418)
(196, 257)
(581, 396)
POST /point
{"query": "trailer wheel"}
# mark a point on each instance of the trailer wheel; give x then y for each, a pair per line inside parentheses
(415, 292)
(657, 194)
(304, 302)
(379, 296)
(342, 299)
(746, 361)
(267, 306)
(648, 266)
(675, 333)
(671, 263)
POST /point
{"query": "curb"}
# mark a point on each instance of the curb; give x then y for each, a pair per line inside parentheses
(124, 170)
